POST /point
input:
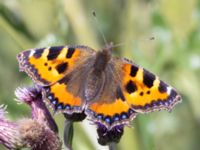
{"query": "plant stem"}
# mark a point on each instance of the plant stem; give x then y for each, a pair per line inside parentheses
(112, 146)
(68, 134)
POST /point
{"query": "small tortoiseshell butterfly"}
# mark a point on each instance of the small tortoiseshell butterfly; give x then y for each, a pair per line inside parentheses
(109, 90)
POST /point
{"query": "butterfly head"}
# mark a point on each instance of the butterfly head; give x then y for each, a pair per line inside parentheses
(108, 47)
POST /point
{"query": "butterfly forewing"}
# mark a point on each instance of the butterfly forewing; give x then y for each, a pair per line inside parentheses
(48, 65)
(144, 91)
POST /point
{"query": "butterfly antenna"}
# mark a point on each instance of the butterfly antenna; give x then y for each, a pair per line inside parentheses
(118, 45)
(124, 43)
(98, 27)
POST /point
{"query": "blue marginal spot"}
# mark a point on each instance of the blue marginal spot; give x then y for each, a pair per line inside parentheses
(116, 117)
(59, 106)
(54, 102)
(67, 107)
(50, 97)
(108, 120)
(124, 116)
(99, 116)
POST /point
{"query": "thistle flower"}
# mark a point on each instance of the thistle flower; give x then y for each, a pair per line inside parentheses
(37, 133)
(9, 134)
(38, 136)
(33, 97)
(106, 136)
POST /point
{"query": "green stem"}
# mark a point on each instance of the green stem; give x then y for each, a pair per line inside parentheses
(68, 134)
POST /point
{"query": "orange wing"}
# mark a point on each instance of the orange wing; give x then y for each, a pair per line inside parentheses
(136, 90)
(143, 91)
(111, 114)
(47, 65)
(50, 67)
(109, 107)
(62, 100)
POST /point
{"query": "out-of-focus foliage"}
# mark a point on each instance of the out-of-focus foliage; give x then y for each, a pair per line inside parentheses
(174, 55)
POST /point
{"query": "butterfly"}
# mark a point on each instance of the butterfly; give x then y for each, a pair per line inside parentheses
(109, 90)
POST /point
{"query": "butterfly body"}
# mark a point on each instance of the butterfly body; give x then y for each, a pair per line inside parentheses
(107, 89)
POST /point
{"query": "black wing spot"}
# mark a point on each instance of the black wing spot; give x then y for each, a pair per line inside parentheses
(148, 78)
(141, 93)
(49, 68)
(131, 87)
(70, 52)
(38, 53)
(148, 92)
(172, 95)
(134, 70)
(162, 87)
(120, 95)
(54, 52)
(62, 67)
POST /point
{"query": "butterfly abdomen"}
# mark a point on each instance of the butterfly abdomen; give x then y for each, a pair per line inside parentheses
(93, 85)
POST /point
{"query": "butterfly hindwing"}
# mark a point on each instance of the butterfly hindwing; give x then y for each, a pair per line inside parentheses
(61, 99)
(111, 114)
(144, 91)
(67, 94)
(110, 107)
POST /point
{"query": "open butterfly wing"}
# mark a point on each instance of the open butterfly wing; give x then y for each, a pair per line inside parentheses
(144, 91)
(48, 65)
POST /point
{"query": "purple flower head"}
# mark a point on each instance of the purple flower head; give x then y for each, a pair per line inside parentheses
(9, 135)
(112, 135)
(37, 133)
(37, 136)
(33, 97)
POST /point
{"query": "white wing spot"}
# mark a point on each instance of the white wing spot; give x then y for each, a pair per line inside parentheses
(169, 90)
(32, 52)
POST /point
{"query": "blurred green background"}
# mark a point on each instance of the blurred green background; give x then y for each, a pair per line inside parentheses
(174, 55)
